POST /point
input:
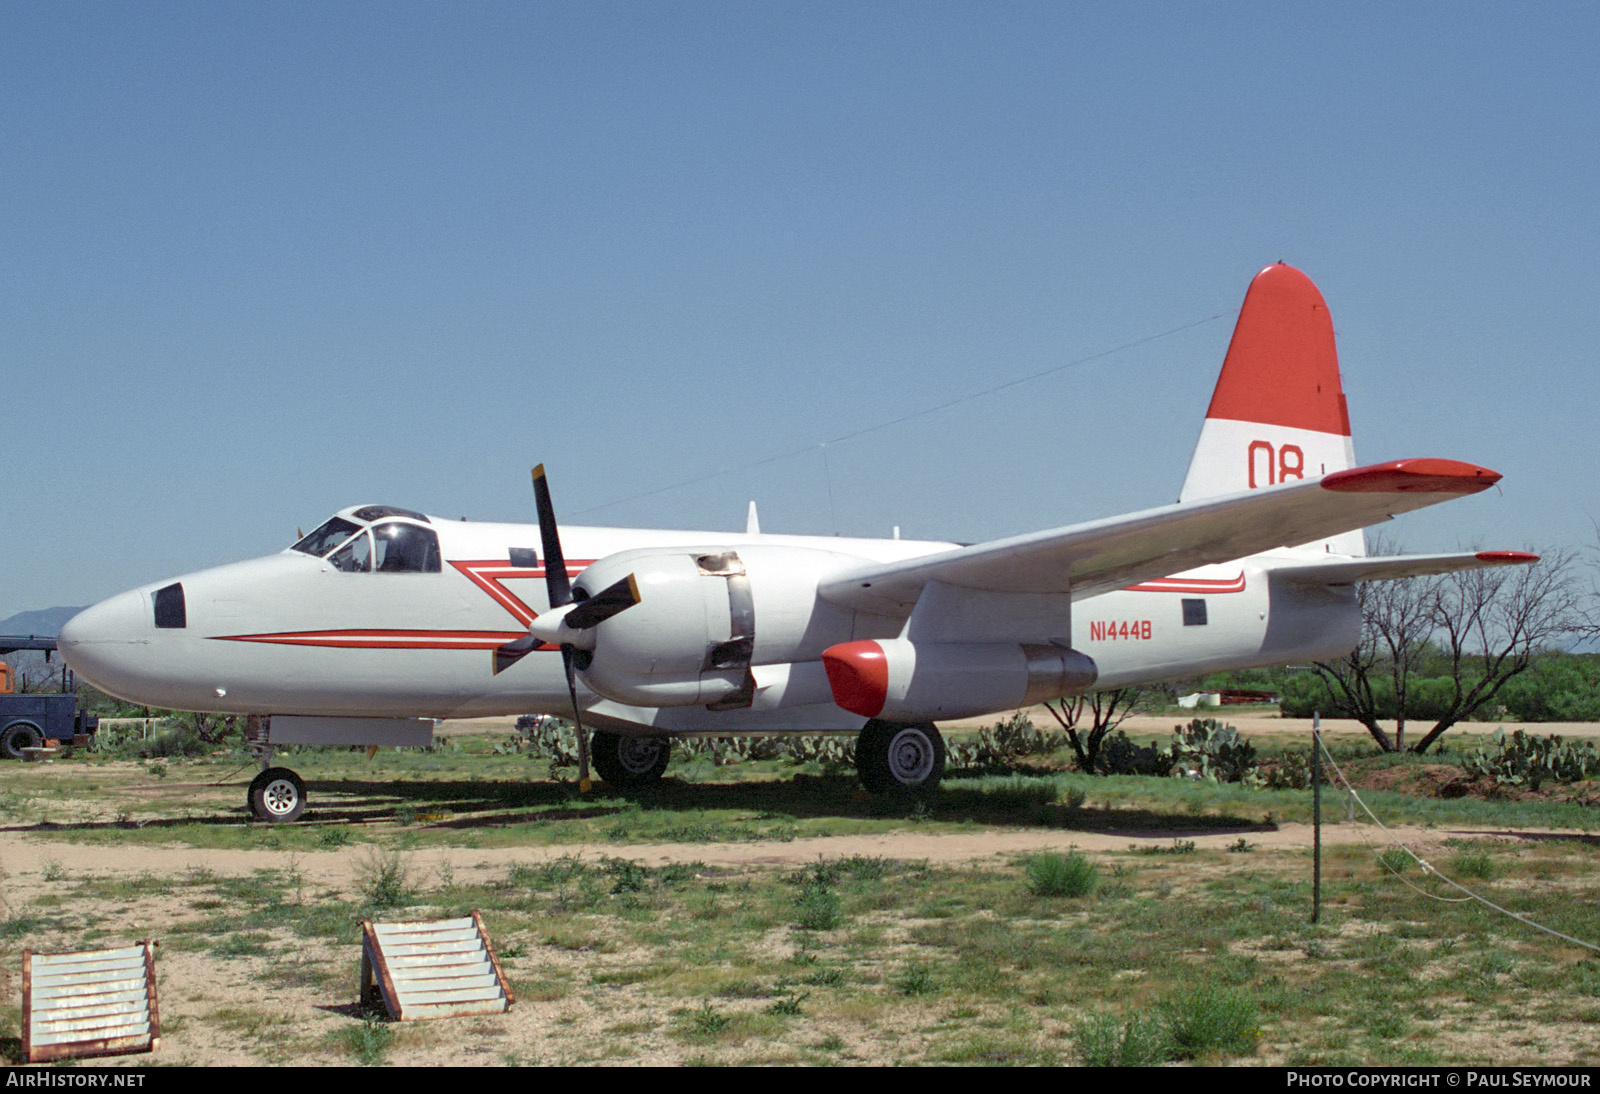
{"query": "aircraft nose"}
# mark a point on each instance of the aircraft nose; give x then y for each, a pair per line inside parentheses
(107, 643)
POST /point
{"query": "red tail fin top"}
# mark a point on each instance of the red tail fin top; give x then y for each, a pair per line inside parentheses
(1282, 367)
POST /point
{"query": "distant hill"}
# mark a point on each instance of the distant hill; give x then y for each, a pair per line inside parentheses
(45, 623)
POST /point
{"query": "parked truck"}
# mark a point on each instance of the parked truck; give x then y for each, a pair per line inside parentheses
(37, 720)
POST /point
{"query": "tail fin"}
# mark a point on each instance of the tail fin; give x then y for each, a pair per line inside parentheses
(1278, 412)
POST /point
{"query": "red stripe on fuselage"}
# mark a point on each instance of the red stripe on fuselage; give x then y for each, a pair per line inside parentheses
(380, 639)
(487, 574)
(1190, 585)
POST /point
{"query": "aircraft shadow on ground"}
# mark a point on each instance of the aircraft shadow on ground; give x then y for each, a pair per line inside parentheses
(464, 804)
(811, 797)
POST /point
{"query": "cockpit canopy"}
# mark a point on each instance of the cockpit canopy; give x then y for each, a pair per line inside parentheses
(375, 539)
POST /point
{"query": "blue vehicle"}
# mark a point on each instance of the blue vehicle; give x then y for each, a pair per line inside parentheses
(37, 720)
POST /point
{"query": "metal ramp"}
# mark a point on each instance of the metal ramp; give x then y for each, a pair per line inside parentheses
(89, 1003)
(432, 969)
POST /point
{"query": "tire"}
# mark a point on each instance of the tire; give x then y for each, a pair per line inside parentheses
(18, 736)
(629, 761)
(277, 796)
(899, 759)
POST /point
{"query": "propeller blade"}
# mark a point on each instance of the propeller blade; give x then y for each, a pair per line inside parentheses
(509, 654)
(556, 582)
(604, 604)
(558, 586)
(577, 721)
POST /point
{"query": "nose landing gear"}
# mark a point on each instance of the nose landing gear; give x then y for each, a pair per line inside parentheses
(277, 795)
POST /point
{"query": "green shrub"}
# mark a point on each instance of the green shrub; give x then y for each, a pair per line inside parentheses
(1474, 864)
(1210, 1019)
(1120, 756)
(1395, 861)
(384, 880)
(368, 1043)
(818, 907)
(1102, 1040)
(915, 979)
(1070, 875)
(1559, 687)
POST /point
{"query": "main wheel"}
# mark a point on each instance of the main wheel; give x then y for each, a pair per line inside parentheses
(277, 795)
(18, 736)
(629, 761)
(899, 758)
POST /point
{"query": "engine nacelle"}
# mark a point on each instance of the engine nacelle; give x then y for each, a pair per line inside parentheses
(898, 680)
(704, 617)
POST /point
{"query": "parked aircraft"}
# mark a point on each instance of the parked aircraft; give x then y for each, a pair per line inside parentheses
(384, 619)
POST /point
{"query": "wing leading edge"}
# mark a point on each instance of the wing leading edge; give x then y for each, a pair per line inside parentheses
(1100, 556)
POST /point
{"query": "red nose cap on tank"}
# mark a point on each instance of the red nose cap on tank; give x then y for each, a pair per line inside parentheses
(858, 673)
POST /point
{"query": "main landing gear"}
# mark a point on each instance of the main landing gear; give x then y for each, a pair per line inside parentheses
(893, 758)
(629, 761)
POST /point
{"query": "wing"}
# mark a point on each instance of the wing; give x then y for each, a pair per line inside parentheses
(1389, 567)
(1100, 556)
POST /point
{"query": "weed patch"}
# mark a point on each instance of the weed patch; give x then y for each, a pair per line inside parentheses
(1210, 1020)
(818, 907)
(1057, 875)
(368, 1043)
(384, 880)
(1104, 1040)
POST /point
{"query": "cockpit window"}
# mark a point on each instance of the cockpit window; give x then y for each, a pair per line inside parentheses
(354, 557)
(326, 538)
(405, 548)
(378, 512)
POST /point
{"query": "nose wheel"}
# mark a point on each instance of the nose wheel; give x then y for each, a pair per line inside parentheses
(277, 795)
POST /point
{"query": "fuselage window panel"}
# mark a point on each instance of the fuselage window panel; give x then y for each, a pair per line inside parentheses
(405, 549)
(332, 533)
(378, 512)
(354, 557)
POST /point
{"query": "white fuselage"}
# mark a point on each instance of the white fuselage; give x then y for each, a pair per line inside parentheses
(291, 633)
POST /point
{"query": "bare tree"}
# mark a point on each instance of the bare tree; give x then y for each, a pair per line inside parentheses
(1485, 626)
(1396, 625)
(1104, 711)
(1491, 622)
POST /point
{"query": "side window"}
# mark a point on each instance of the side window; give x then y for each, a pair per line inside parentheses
(405, 549)
(354, 557)
(170, 608)
(1194, 613)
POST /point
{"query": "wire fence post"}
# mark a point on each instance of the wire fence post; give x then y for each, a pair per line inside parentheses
(1316, 816)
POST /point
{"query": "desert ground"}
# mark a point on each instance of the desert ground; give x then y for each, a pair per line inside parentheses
(595, 984)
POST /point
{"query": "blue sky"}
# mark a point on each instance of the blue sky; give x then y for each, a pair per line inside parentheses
(263, 261)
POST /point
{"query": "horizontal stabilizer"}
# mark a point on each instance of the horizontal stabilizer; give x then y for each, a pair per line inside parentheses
(1390, 567)
(1100, 556)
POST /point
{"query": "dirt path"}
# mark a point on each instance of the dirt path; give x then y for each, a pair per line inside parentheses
(28, 856)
